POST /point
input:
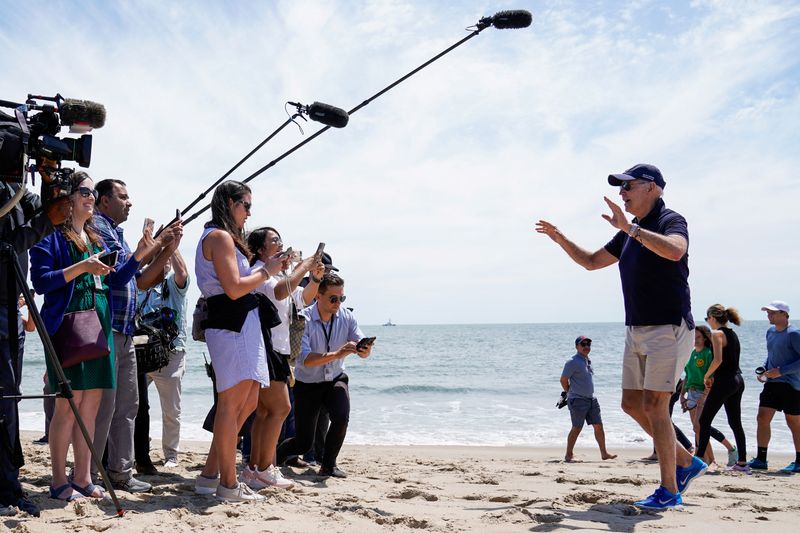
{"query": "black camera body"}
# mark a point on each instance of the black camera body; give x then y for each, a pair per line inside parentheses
(31, 132)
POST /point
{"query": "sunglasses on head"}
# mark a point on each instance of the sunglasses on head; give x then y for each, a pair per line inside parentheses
(336, 299)
(86, 192)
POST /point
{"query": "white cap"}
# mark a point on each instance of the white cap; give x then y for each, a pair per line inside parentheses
(777, 305)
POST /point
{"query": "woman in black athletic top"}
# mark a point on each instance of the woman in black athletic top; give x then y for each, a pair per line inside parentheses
(725, 379)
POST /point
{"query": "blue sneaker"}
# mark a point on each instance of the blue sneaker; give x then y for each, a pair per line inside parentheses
(793, 468)
(757, 464)
(685, 475)
(661, 499)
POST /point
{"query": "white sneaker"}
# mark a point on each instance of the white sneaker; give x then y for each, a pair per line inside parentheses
(274, 478)
(204, 485)
(240, 493)
(172, 462)
(249, 477)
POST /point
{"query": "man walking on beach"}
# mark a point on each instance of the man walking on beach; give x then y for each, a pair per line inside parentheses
(781, 380)
(577, 379)
(654, 269)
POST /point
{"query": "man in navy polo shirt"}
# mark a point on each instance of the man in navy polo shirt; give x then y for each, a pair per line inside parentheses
(577, 380)
(652, 254)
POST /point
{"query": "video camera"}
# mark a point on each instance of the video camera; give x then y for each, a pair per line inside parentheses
(31, 132)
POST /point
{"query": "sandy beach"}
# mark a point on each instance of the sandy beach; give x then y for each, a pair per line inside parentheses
(431, 488)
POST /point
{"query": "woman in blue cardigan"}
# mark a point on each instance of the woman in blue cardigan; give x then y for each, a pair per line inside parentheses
(66, 269)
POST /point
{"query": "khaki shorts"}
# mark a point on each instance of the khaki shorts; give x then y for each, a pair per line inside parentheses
(655, 356)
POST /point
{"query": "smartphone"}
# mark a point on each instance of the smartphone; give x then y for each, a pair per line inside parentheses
(109, 259)
(177, 214)
(148, 223)
(320, 249)
(365, 342)
(287, 252)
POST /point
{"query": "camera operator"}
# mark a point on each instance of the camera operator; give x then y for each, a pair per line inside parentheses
(24, 226)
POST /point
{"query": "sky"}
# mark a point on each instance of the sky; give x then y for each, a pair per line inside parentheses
(427, 199)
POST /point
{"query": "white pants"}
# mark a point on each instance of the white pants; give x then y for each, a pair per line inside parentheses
(168, 382)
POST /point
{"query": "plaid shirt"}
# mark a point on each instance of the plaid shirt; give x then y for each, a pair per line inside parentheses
(124, 295)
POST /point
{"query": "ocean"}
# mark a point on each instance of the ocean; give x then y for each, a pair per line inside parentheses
(493, 385)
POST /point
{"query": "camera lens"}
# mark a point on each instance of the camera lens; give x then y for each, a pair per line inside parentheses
(760, 370)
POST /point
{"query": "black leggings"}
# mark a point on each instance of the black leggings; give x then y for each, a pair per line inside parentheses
(726, 391)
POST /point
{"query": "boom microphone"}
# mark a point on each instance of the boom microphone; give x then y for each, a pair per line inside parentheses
(83, 113)
(508, 20)
(324, 113)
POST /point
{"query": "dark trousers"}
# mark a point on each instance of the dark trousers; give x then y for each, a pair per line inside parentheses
(10, 448)
(141, 431)
(309, 398)
(726, 391)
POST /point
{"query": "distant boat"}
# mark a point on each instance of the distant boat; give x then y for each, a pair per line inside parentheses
(389, 323)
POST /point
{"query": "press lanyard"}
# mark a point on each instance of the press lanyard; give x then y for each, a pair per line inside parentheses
(328, 334)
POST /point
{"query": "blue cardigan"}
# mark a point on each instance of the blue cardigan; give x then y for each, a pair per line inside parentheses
(49, 258)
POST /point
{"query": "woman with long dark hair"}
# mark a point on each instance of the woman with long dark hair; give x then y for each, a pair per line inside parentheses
(724, 378)
(66, 269)
(233, 334)
(273, 402)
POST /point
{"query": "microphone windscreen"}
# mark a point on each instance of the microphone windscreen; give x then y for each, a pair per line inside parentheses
(82, 112)
(514, 19)
(328, 115)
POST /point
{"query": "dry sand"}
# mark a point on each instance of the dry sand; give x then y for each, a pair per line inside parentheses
(431, 488)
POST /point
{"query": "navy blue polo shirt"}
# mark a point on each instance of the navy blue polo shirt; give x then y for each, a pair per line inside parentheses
(655, 289)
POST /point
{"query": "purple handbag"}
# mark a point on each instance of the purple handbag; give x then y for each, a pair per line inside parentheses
(80, 337)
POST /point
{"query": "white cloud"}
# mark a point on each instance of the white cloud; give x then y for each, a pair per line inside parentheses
(427, 199)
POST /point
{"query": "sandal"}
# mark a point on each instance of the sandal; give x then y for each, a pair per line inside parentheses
(56, 493)
(89, 489)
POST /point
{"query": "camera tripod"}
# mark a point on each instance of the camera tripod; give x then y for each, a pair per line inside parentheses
(9, 256)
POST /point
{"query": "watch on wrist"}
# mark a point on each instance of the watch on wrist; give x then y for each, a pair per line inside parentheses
(634, 231)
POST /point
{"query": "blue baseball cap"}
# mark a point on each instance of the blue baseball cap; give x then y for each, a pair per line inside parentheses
(638, 172)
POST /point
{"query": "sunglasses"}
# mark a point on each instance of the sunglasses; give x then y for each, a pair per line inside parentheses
(274, 240)
(628, 185)
(586, 343)
(335, 299)
(246, 205)
(86, 192)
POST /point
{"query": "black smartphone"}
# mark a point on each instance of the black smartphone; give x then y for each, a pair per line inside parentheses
(365, 342)
(320, 249)
(109, 259)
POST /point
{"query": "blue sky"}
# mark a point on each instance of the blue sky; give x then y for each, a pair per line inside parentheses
(427, 199)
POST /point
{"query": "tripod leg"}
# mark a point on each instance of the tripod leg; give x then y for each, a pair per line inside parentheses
(63, 384)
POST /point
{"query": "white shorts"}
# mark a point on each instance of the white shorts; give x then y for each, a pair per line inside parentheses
(655, 356)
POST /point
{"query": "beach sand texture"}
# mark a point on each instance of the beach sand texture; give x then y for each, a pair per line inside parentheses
(431, 488)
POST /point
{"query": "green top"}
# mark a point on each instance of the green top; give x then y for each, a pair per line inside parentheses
(97, 373)
(697, 367)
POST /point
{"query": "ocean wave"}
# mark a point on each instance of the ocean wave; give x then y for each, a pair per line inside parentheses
(433, 389)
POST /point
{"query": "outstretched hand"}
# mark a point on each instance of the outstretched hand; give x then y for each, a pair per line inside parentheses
(548, 229)
(617, 217)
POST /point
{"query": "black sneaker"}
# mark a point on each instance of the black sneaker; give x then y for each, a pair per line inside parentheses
(331, 472)
(24, 504)
(296, 462)
(146, 469)
(42, 440)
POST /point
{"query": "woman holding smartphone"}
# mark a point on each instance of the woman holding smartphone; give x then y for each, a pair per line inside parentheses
(233, 334)
(273, 402)
(66, 268)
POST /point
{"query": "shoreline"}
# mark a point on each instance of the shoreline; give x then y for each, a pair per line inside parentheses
(431, 488)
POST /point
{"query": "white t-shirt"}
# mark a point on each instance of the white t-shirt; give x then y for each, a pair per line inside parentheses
(280, 334)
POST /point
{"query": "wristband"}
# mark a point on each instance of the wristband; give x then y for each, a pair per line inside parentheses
(314, 278)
